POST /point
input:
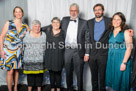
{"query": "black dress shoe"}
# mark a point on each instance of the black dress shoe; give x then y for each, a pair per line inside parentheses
(71, 89)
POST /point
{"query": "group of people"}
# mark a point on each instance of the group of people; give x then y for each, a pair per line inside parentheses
(39, 49)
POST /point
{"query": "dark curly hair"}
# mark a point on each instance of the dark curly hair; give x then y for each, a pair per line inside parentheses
(99, 4)
(123, 23)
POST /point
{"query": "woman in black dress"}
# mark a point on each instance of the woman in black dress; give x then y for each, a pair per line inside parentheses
(54, 53)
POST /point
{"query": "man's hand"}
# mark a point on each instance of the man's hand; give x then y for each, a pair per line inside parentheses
(86, 58)
(131, 32)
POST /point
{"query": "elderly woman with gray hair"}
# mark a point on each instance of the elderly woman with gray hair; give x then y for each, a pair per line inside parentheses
(54, 54)
(34, 47)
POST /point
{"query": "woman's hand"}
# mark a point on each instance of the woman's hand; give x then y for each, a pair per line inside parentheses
(123, 67)
(23, 34)
(3, 53)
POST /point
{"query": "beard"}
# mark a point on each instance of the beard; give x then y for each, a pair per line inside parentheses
(99, 15)
(74, 16)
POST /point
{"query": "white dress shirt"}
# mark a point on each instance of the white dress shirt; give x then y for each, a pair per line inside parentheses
(71, 35)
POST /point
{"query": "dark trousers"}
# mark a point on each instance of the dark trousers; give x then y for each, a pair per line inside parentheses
(73, 62)
(98, 68)
(35, 79)
(55, 79)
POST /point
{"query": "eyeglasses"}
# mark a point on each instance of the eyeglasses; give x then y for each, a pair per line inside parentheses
(73, 10)
(98, 10)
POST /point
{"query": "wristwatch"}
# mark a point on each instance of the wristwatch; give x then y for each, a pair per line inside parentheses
(125, 63)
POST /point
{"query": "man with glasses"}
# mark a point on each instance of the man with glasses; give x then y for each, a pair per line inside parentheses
(76, 35)
(98, 28)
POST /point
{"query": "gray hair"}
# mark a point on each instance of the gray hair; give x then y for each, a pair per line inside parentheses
(35, 22)
(74, 4)
(55, 18)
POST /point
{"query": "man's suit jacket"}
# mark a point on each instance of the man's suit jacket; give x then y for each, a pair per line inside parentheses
(82, 36)
(97, 47)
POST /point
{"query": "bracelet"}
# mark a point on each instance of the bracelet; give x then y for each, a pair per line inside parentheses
(125, 63)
